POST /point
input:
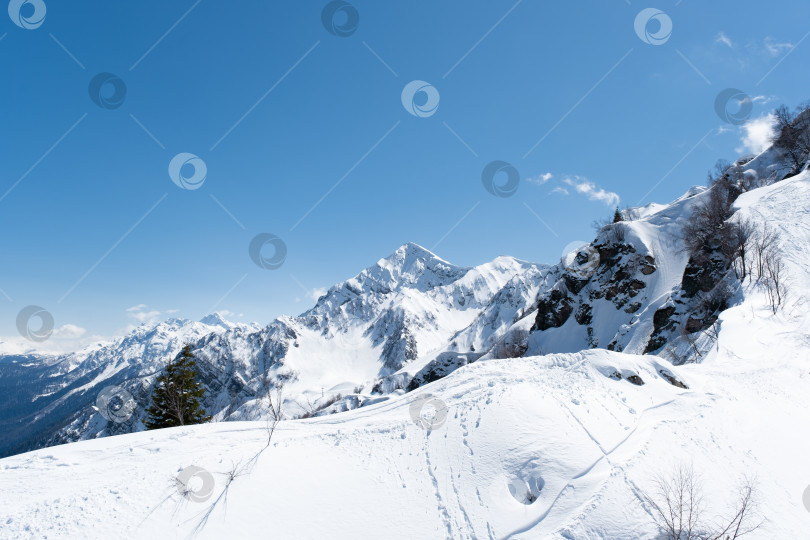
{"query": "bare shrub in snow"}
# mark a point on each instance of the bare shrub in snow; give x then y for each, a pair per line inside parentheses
(765, 241)
(707, 229)
(601, 223)
(616, 233)
(271, 403)
(792, 134)
(678, 507)
(677, 504)
(738, 237)
(745, 517)
(513, 345)
(775, 279)
(311, 409)
(766, 261)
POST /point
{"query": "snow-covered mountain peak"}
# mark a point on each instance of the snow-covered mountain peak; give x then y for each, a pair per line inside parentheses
(411, 266)
(216, 319)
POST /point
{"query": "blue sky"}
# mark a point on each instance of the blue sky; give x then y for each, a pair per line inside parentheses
(285, 114)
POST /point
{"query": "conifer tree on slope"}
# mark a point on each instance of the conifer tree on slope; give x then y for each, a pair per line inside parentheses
(177, 394)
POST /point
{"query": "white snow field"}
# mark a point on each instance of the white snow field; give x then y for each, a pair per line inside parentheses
(583, 441)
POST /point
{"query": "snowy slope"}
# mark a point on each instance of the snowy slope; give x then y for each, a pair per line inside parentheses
(559, 422)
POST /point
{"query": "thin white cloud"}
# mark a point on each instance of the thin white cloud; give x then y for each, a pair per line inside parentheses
(64, 339)
(560, 190)
(764, 100)
(583, 186)
(228, 314)
(68, 331)
(317, 292)
(142, 314)
(724, 39)
(776, 49)
(541, 179)
(756, 135)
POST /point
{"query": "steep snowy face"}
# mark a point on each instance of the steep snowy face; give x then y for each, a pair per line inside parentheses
(606, 296)
(411, 304)
(409, 268)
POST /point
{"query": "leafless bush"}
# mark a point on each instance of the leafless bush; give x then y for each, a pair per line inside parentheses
(616, 233)
(231, 475)
(714, 331)
(311, 410)
(271, 403)
(792, 134)
(736, 244)
(513, 345)
(768, 264)
(678, 508)
(765, 241)
(746, 518)
(601, 223)
(774, 279)
(707, 229)
(692, 339)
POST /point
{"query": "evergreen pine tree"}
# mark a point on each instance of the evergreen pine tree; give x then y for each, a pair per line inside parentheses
(177, 394)
(617, 216)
